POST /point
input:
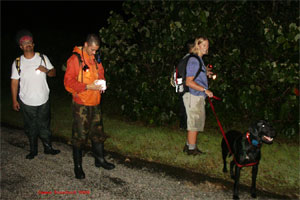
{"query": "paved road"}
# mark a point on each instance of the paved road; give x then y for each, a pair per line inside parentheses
(52, 177)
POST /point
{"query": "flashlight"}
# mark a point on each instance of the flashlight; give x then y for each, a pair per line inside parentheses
(213, 76)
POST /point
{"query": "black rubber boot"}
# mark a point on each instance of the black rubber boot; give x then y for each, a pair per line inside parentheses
(48, 147)
(77, 158)
(98, 151)
(33, 144)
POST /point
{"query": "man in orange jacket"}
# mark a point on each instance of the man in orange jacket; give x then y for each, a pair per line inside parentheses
(82, 74)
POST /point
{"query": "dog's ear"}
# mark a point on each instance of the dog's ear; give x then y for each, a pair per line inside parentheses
(261, 122)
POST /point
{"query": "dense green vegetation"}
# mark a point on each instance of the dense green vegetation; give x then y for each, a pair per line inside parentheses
(254, 48)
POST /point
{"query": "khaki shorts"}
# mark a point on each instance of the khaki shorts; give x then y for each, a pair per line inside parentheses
(195, 111)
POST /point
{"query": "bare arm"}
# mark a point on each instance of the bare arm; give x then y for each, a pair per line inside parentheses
(50, 73)
(14, 94)
(192, 84)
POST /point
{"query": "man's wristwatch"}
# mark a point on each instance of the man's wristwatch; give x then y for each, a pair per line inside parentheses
(204, 90)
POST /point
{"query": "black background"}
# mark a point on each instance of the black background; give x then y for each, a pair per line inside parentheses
(57, 26)
(82, 16)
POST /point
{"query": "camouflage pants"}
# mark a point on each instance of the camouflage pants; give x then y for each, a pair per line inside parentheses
(87, 124)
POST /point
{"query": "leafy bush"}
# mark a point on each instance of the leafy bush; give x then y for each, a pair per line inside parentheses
(254, 50)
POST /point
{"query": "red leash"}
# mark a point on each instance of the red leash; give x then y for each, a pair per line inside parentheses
(224, 135)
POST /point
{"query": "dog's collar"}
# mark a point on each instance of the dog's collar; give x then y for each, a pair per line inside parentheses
(253, 142)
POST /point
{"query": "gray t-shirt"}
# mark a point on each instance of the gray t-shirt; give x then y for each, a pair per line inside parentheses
(191, 70)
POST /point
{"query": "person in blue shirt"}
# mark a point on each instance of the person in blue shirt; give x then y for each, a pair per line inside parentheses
(194, 100)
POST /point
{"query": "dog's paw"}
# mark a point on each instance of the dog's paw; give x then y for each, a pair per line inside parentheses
(253, 195)
(235, 197)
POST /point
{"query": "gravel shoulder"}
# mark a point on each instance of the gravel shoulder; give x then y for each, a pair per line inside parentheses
(52, 177)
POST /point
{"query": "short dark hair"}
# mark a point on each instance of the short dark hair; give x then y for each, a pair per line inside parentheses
(93, 39)
(189, 45)
(22, 33)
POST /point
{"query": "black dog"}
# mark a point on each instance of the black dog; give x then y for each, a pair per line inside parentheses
(246, 150)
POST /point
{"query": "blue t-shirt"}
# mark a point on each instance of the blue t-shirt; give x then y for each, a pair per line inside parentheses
(191, 70)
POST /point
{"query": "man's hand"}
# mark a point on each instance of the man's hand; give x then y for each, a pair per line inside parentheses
(50, 73)
(42, 69)
(14, 94)
(92, 86)
(209, 93)
(16, 106)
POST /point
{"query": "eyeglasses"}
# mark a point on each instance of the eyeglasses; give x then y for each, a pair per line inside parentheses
(25, 43)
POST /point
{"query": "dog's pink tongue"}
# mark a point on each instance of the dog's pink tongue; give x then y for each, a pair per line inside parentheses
(268, 138)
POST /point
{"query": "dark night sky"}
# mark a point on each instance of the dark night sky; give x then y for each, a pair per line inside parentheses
(57, 26)
(72, 15)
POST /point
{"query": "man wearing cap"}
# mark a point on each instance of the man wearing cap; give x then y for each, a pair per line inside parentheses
(28, 77)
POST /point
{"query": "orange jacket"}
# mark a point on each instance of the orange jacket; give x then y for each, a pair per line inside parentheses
(76, 79)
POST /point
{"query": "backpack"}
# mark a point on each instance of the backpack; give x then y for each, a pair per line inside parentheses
(179, 74)
(18, 62)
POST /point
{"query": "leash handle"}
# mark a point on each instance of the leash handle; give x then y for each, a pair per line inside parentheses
(217, 98)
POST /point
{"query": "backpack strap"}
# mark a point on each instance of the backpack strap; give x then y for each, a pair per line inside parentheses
(79, 57)
(43, 59)
(80, 63)
(200, 65)
(18, 64)
(186, 88)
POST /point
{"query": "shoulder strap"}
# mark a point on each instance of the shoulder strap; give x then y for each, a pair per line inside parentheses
(79, 57)
(42, 58)
(80, 62)
(200, 65)
(18, 64)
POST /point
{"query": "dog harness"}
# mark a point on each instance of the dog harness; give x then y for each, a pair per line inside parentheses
(253, 142)
(224, 135)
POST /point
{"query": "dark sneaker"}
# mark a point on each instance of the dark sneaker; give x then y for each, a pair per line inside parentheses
(195, 152)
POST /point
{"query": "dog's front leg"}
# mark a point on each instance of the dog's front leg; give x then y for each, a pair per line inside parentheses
(236, 183)
(254, 175)
(232, 163)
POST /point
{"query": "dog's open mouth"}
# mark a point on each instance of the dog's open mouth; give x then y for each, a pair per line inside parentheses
(268, 139)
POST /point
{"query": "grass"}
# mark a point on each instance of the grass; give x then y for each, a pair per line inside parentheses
(278, 169)
(279, 166)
